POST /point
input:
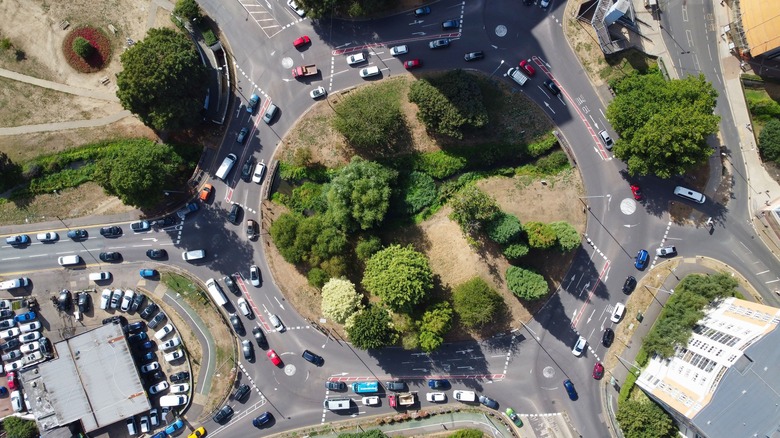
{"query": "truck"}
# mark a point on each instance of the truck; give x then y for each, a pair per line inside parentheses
(464, 396)
(365, 387)
(517, 76)
(401, 399)
(304, 70)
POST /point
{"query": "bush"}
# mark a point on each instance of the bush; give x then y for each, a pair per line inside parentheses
(769, 140)
(95, 61)
(5, 44)
(292, 172)
(188, 10)
(82, 47)
(370, 118)
(435, 323)
(540, 236)
(439, 164)
(516, 250)
(419, 191)
(472, 208)
(568, 237)
(542, 146)
(476, 303)
(308, 198)
(504, 228)
(367, 247)
(16, 427)
(400, 276)
(449, 104)
(526, 284)
(335, 266)
(317, 277)
(467, 433)
(371, 328)
(553, 163)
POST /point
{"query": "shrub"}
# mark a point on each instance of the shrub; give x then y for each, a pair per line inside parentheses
(335, 266)
(516, 250)
(82, 47)
(435, 322)
(504, 228)
(187, 10)
(526, 284)
(371, 328)
(769, 140)
(370, 118)
(472, 208)
(439, 164)
(540, 236)
(553, 163)
(400, 276)
(542, 146)
(5, 44)
(476, 303)
(419, 191)
(16, 427)
(97, 39)
(367, 247)
(317, 277)
(449, 104)
(568, 237)
(308, 198)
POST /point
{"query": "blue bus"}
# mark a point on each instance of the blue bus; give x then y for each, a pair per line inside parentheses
(365, 387)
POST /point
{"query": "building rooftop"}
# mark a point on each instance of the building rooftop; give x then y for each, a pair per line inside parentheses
(94, 380)
(761, 22)
(725, 382)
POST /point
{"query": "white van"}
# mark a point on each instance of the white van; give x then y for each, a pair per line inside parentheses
(173, 400)
(69, 260)
(100, 276)
(225, 167)
(195, 254)
(689, 194)
(15, 283)
(464, 396)
(337, 404)
(216, 292)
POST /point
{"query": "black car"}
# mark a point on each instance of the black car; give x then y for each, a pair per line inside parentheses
(335, 386)
(238, 326)
(248, 350)
(138, 301)
(112, 231)
(629, 285)
(118, 319)
(473, 56)
(83, 302)
(78, 234)
(168, 221)
(181, 376)
(149, 310)
(223, 414)
(241, 392)
(395, 385)
(260, 337)
(246, 171)
(231, 285)
(160, 317)
(608, 337)
(157, 254)
(489, 402)
(110, 256)
(64, 300)
(550, 85)
(450, 24)
(313, 358)
(262, 419)
(235, 212)
(136, 327)
(10, 344)
(154, 377)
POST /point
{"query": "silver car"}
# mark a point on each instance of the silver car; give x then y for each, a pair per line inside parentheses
(277, 323)
(270, 113)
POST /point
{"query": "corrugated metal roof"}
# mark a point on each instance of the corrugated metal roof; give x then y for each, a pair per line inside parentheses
(761, 22)
(94, 380)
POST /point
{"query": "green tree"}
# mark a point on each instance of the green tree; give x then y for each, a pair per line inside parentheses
(16, 427)
(187, 10)
(317, 277)
(400, 276)
(540, 236)
(370, 118)
(436, 321)
(82, 47)
(504, 229)
(476, 303)
(450, 103)
(163, 80)
(371, 328)
(419, 191)
(340, 299)
(335, 266)
(359, 194)
(138, 172)
(283, 232)
(567, 235)
(471, 208)
(663, 125)
(526, 284)
(769, 140)
(10, 172)
(366, 247)
(645, 419)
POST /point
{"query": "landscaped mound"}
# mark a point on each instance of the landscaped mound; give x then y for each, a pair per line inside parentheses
(97, 57)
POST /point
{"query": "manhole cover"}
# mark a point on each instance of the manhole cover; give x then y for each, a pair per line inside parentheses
(501, 30)
(628, 206)
(289, 370)
(548, 372)
(287, 62)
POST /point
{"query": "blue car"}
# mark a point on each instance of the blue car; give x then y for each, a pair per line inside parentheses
(148, 345)
(570, 389)
(25, 317)
(160, 435)
(262, 420)
(149, 357)
(138, 337)
(450, 24)
(148, 273)
(425, 10)
(437, 383)
(641, 259)
(174, 427)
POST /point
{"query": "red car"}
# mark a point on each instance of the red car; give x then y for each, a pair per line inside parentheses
(637, 192)
(598, 371)
(274, 358)
(525, 65)
(301, 41)
(414, 63)
(11, 376)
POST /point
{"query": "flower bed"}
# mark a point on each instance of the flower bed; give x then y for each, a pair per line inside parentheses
(99, 57)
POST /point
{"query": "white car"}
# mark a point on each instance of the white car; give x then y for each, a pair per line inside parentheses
(174, 355)
(369, 71)
(30, 327)
(127, 299)
(171, 343)
(243, 306)
(13, 366)
(180, 388)
(277, 323)
(318, 92)
(668, 251)
(357, 58)
(105, 297)
(618, 312)
(436, 397)
(294, 6)
(29, 337)
(254, 275)
(370, 401)
(163, 332)
(544, 3)
(32, 357)
(399, 50)
(7, 323)
(50, 236)
(151, 366)
(16, 401)
(158, 387)
(579, 346)
(144, 424)
(30, 347)
(10, 333)
(5, 304)
(116, 297)
(257, 177)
